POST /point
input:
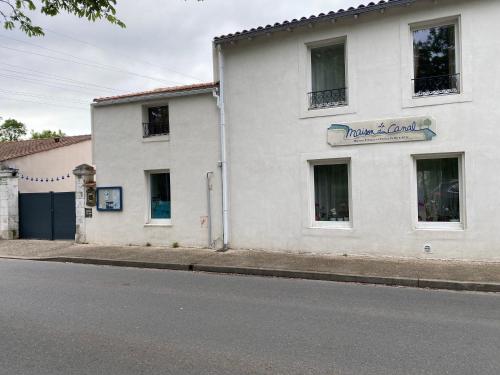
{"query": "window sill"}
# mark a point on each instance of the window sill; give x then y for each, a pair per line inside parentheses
(331, 225)
(346, 231)
(328, 111)
(165, 223)
(440, 226)
(156, 138)
(431, 100)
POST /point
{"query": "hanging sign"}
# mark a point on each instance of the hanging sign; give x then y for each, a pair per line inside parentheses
(382, 131)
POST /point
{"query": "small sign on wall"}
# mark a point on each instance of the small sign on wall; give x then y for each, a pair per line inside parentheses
(90, 197)
(88, 213)
(109, 198)
(382, 131)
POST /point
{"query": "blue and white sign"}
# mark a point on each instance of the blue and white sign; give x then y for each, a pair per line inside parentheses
(109, 198)
(382, 131)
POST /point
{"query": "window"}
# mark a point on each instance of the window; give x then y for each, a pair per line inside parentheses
(435, 61)
(331, 193)
(158, 123)
(159, 190)
(328, 75)
(438, 190)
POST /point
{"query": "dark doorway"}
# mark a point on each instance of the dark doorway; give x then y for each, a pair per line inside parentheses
(47, 216)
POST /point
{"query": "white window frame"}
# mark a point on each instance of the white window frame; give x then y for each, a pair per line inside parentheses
(453, 21)
(312, 198)
(328, 43)
(451, 226)
(149, 220)
(145, 118)
(463, 42)
(323, 39)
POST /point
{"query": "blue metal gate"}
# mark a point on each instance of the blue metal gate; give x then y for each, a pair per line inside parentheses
(47, 216)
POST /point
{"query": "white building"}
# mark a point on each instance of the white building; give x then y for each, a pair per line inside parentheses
(160, 148)
(369, 131)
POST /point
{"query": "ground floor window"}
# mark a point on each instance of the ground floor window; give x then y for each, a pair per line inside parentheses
(331, 192)
(159, 188)
(438, 190)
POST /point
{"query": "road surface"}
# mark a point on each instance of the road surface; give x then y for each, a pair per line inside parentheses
(82, 319)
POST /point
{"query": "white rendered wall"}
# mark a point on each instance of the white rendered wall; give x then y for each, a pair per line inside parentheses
(122, 157)
(272, 137)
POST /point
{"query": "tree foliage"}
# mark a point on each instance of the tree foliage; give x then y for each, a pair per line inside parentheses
(435, 51)
(44, 134)
(14, 12)
(12, 130)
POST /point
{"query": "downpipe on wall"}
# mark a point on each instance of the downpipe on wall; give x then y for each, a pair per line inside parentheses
(223, 161)
(209, 209)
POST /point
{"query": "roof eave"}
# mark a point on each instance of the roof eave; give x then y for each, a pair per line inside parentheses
(151, 97)
(330, 17)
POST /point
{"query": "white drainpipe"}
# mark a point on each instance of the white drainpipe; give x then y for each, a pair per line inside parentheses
(223, 161)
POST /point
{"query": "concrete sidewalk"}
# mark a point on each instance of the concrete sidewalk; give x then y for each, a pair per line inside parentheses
(455, 275)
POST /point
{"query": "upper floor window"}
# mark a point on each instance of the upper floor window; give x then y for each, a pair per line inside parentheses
(435, 61)
(158, 122)
(328, 74)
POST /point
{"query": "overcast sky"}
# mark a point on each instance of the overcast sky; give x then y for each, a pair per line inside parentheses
(48, 82)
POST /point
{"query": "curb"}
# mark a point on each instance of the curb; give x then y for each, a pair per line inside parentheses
(290, 274)
(119, 263)
(361, 279)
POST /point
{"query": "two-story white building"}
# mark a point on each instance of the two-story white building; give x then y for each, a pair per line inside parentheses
(367, 131)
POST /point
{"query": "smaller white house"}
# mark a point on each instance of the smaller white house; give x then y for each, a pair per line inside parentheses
(156, 155)
(46, 164)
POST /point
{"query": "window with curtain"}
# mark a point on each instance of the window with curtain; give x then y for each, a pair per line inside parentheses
(328, 67)
(331, 192)
(438, 190)
(160, 195)
(435, 60)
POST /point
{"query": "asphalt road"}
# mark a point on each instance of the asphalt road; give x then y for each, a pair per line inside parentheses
(81, 319)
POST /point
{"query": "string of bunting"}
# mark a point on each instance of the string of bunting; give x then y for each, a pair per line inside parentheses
(44, 179)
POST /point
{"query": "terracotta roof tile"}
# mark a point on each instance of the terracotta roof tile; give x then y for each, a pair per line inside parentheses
(162, 90)
(16, 149)
(305, 21)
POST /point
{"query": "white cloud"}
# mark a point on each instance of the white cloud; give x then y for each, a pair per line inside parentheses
(162, 38)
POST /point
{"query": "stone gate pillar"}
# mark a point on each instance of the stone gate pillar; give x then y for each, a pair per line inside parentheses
(84, 177)
(9, 203)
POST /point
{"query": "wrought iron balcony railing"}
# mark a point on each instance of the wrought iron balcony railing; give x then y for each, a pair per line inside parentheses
(328, 98)
(437, 85)
(154, 128)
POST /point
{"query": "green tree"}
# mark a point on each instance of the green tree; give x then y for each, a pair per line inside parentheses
(435, 51)
(43, 134)
(14, 12)
(12, 130)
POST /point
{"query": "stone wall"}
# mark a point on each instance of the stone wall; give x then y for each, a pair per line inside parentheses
(9, 204)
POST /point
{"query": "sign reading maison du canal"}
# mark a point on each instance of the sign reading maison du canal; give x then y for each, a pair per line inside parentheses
(391, 130)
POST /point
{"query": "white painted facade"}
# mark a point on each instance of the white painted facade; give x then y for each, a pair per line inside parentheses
(122, 157)
(274, 139)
